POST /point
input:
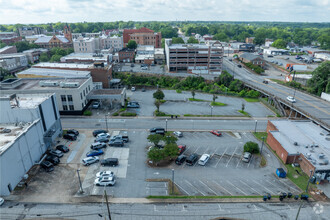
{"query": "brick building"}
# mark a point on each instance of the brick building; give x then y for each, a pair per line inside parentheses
(8, 50)
(143, 36)
(249, 40)
(126, 55)
(253, 59)
(62, 41)
(194, 58)
(301, 142)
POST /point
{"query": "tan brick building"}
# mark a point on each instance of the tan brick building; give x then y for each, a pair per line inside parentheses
(143, 36)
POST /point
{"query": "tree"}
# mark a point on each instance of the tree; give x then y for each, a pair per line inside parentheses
(192, 40)
(193, 93)
(170, 139)
(221, 37)
(171, 150)
(320, 78)
(159, 95)
(225, 79)
(155, 138)
(132, 44)
(279, 43)
(157, 104)
(55, 58)
(156, 154)
(44, 57)
(251, 147)
(22, 45)
(214, 97)
(177, 40)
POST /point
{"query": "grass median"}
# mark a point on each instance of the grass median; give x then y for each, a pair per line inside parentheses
(207, 197)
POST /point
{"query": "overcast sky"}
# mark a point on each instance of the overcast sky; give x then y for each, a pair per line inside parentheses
(44, 11)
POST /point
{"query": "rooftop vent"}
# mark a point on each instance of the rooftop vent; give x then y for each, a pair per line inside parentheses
(308, 155)
(69, 84)
(48, 83)
(321, 155)
(295, 143)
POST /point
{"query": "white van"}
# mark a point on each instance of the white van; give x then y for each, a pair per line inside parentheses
(203, 160)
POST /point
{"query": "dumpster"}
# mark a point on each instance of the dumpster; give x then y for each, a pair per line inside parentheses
(280, 173)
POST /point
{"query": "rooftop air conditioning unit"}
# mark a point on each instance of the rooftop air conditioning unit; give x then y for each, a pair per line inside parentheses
(48, 83)
(308, 155)
(69, 84)
(321, 155)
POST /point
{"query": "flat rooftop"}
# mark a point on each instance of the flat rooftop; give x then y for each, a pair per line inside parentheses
(27, 101)
(14, 130)
(44, 72)
(11, 55)
(86, 56)
(306, 138)
(190, 46)
(64, 65)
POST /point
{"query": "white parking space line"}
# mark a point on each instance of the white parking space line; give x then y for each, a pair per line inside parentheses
(291, 188)
(278, 188)
(182, 189)
(250, 161)
(221, 157)
(239, 161)
(237, 187)
(208, 187)
(222, 187)
(196, 150)
(264, 187)
(195, 188)
(250, 187)
(232, 156)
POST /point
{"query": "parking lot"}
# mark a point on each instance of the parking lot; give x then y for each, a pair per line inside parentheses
(126, 67)
(224, 174)
(178, 104)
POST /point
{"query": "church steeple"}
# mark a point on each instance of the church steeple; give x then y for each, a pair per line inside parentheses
(67, 32)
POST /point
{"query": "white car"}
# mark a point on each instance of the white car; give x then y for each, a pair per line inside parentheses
(290, 99)
(178, 133)
(144, 68)
(105, 181)
(246, 157)
(133, 89)
(203, 160)
(1, 201)
(106, 135)
(107, 173)
(90, 160)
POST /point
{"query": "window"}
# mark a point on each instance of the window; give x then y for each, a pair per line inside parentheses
(71, 107)
(70, 98)
(65, 107)
(80, 95)
(82, 105)
(84, 93)
(63, 98)
(89, 88)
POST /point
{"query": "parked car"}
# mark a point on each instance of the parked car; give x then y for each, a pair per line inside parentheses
(203, 160)
(106, 135)
(70, 137)
(53, 159)
(270, 56)
(287, 58)
(98, 145)
(102, 139)
(56, 153)
(291, 99)
(133, 89)
(104, 173)
(180, 159)
(239, 66)
(142, 65)
(90, 160)
(96, 132)
(73, 131)
(124, 136)
(144, 68)
(48, 166)
(191, 160)
(246, 157)
(265, 81)
(116, 137)
(62, 148)
(94, 153)
(96, 105)
(133, 105)
(178, 133)
(132, 64)
(1, 201)
(110, 162)
(182, 148)
(216, 132)
(105, 181)
(157, 131)
(143, 90)
(116, 143)
(230, 59)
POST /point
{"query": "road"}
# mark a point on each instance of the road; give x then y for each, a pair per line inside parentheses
(165, 211)
(172, 124)
(315, 107)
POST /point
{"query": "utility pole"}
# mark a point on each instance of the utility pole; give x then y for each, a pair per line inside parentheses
(172, 181)
(166, 125)
(255, 128)
(301, 202)
(106, 199)
(106, 122)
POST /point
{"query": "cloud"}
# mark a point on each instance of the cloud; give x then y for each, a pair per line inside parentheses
(43, 11)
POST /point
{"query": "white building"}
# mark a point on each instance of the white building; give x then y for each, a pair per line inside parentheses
(71, 93)
(85, 45)
(29, 124)
(114, 43)
(13, 62)
(323, 56)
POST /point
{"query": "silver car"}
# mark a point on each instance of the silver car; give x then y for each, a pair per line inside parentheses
(105, 181)
(246, 157)
(178, 133)
(90, 160)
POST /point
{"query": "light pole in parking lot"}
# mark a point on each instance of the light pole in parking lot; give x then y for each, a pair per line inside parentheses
(81, 189)
(172, 181)
(166, 125)
(255, 127)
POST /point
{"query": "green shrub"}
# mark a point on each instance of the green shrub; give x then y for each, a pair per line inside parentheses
(87, 113)
(179, 91)
(251, 147)
(159, 113)
(115, 114)
(128, 114)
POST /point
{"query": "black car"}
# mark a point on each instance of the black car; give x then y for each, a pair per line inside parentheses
(73, 131)
(96, 132)
(116, 143)
(239, 65)
(62, 148)
(180, 159)
(48, 166)
(53, 159)
(70, 137)
(109, 162)
(191, 160)
(124, 136)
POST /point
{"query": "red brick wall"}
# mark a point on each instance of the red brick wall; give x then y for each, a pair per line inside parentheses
(305, 165)
(271, 127)
(277, 147)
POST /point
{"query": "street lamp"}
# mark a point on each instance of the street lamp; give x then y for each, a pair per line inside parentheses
(166, 125)
(262, 145)
(255, 128)
(81, 189)
(309, 179)
(172, 181)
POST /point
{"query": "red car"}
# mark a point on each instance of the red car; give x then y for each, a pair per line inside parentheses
(216, 132)
(182, 148)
